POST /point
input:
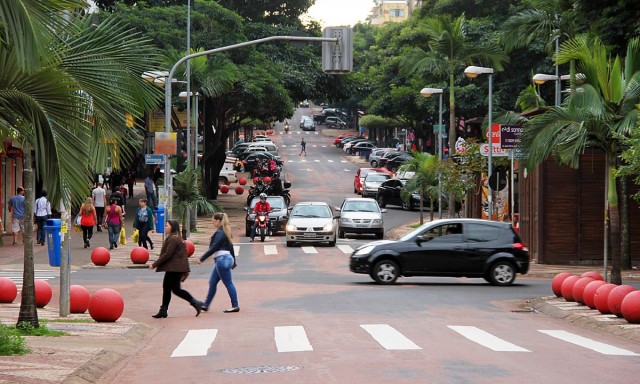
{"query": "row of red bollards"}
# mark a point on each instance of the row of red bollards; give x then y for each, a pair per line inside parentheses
(105, 305)
(591, 290)
(101, 256)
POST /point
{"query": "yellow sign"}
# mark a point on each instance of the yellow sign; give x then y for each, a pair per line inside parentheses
(157, 123)
(165, 143)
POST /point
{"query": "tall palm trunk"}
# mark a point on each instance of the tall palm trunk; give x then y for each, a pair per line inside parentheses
(614, 222)
(28, 311)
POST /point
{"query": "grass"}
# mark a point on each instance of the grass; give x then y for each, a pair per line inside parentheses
(416, 225)
(12, 338)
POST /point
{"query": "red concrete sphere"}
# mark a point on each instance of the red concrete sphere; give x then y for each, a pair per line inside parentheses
(191, 248)
(106, 305)
(269, 132)
(139, 255)
(600, 299)
(100, 256)
(589, 292)
(43, 293)
(224, 188)
(266, 180)
(556, 283)
(239, 190)
(78, 299)
(242, 181)
(616, 296)
(255, 180)
(8, 290)
(567, 287)
(594, 275)
(631, 307)
(578, 288)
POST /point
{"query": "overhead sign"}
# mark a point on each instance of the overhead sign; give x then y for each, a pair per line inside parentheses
(154, 159)
(165, 143)
(510, 135)
(497, 151)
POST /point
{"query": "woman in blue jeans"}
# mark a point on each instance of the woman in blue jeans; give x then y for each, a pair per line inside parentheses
(221, 248)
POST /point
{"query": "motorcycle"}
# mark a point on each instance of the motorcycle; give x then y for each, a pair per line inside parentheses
(262, 227)
(286, 128)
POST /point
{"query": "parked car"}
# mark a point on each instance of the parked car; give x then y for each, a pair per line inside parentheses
(249, 163)
(376, 154)
(278, 217)
(372, 182)
(335, 122)
(342, 136)
(449, 247)
(312, 222)
(346, 140)
(362, 147)
(347, 146)
(227, 176)
(394, 161)
(389, 193)
(361, 173)
(361, 216)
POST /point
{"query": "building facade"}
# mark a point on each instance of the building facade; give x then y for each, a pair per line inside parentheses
(392, 11)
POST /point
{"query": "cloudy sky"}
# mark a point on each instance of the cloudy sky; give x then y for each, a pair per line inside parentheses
(340, 12)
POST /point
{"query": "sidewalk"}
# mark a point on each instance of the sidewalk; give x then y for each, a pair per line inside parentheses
(90, 348)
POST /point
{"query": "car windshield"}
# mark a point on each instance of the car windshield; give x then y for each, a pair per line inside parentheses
(377, 177)
(360, 206)
(276, 203)
(310, 211)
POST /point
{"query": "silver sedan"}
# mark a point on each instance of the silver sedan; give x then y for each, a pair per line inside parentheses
(312, 222)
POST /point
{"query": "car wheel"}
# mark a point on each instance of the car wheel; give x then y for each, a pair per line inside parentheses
(407, 206)
(341, 233)
(502, 273)
(381, 201)
(222, 181)
(355, 190)
(289, 243)
(332, 243)
(385, 272)
(380, 235)
(374, 164)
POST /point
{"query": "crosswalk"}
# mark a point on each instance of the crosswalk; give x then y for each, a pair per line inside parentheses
(271, 248)
(294, 338)
(39, 274)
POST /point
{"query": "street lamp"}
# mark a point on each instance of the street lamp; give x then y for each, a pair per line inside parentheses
(473, 72)
(427, 92)
(541, 78)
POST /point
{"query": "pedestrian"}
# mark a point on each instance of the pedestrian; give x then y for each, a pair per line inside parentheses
(115, 180)
(99, 196)
(303, 144)
(221, 248)
(131, 180)
(150, 191)
(16, 208)
(42, 213)
(143, 222)
(120, 199)
(113, 221)
(105, 178)
(88, 218)
(173, 261)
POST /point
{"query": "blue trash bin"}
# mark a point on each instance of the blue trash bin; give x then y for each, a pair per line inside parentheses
(54, 245)
(159, 220)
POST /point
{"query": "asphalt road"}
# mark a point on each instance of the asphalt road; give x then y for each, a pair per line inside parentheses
(305, 318)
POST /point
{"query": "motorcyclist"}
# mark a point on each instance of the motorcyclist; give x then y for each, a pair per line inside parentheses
(261, 206)
(286, 126)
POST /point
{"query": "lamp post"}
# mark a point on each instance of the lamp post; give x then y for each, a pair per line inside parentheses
(473, 72)
(541, 78)
(427, 92)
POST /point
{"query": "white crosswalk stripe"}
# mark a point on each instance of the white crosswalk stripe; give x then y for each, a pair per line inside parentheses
(39, 274)
(486, 339)
(345, 248)
(293, 338)
(307, 249)
(270, 250)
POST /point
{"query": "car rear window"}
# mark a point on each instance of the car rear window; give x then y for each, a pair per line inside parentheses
(377, 177)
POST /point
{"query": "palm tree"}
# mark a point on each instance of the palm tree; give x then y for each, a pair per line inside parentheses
(599, 114)
(448, 52)
(187, 187)
(67, 84)
(424, 181)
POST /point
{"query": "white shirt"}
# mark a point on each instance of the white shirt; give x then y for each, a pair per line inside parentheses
(43, 208)
(99, 197)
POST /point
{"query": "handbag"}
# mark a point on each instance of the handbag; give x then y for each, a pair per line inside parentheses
(123, 237)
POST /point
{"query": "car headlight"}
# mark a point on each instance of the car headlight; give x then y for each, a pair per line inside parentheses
(328, 227)
(364, 250)
(376, 221)
(252, 216)
(345, 220)
(291, 227)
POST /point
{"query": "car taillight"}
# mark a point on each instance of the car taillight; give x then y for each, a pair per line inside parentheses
(520, 247)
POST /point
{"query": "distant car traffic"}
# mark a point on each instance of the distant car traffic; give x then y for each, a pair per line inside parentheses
(491, 250)
(312, 222)
(361, 216)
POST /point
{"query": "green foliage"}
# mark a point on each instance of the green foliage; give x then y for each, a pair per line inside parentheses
(424, 181)
(187, 187)
(11, 343)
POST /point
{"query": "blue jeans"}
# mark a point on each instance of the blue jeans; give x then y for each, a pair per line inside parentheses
(114, 233)
(41, 236)
(222, 271)
(151, 199)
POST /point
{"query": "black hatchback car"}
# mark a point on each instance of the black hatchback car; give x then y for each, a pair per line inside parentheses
(278, 217)
(450, 247)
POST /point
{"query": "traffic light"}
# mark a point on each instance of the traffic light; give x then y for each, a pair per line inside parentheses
(181, 151)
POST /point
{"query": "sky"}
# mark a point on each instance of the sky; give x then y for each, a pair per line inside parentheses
(340, 12)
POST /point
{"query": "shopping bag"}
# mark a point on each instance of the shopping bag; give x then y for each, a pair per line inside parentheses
(123, 237)
(76, 221)
(136, 236)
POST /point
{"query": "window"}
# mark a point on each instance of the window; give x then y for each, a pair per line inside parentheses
(481, 233)
(396, 12)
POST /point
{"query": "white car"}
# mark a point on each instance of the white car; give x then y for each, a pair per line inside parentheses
(227, 176)
(312, 222)
(359, 215)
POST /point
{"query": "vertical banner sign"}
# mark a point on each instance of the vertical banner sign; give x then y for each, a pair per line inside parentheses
(510, 135)
(165, 143)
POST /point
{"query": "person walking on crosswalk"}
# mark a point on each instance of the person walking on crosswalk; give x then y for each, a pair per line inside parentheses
(221, 248)
(174, 262)
(303, 144)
